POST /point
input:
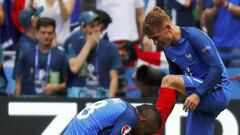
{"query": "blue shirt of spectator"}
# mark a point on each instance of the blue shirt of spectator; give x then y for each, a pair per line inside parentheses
(226, 29)
(3, 79)
(184, 15)
(102, 59)
(25, 42)
(26, 68)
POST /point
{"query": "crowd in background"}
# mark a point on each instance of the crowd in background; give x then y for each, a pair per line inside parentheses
(92, 48)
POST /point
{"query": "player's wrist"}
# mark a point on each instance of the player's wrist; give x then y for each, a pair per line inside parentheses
(229, 6)
(197, 93)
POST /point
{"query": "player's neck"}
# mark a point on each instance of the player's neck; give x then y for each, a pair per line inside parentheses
(31, 33)
(176, 34)
(44, 48)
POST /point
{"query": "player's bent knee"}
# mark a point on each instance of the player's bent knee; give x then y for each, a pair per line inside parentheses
(168, 81)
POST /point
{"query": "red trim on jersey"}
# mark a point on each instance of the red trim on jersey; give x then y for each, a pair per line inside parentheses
(165, 104)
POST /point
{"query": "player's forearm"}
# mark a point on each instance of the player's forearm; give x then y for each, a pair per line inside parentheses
(17, 87)
(113, 87)
(210, 13)
(76, 63)
(234, 9)
(66, 8)
(213, 77)
(140, 19)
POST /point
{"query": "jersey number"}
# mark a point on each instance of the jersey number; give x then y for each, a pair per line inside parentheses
(90, 109)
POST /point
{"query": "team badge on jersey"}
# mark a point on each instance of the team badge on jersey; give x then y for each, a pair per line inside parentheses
(189, 56)
(125, 130)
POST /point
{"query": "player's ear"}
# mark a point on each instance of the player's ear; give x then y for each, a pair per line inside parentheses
(168, 26)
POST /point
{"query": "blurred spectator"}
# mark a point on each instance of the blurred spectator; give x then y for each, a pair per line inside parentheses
(88, 5)
(17, 7)
(28, 20)
(9, 34)
(75, 14)
(226, 16)
(1, 12)
(60, 11)
(3, 79)
(147, 90)
(126, 28)
(42, 70)
(182, 12)
(1, 15)
(93, 62)
(124, 14)
(148, 79)
(160, 3)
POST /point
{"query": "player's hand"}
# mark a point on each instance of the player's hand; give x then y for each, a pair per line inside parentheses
(191, 102)
(92, 39)
(48, 89)
(54, 42)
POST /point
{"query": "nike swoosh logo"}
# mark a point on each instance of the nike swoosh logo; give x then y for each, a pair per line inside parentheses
(173, 60)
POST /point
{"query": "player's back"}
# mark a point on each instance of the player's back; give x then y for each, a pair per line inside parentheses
(97, 117)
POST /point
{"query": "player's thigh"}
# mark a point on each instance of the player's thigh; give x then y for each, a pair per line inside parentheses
(213, 101)
(200, 123)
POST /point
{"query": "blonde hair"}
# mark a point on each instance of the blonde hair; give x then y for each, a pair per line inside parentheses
(154, 18)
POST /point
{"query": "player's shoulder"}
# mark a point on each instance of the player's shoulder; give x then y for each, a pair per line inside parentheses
(192, 32)
(115, 100)
(58, 51)
(75, 36)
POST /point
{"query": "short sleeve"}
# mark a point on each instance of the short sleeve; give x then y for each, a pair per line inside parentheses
(115, 58)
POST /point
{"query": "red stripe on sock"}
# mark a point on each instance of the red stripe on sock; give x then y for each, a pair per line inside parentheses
(165, 104)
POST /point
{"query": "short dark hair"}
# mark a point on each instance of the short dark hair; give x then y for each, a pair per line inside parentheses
(103, 17)
(145, 108)
(45, 21)
(155, 18)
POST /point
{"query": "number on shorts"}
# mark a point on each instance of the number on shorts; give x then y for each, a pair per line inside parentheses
(87, 111)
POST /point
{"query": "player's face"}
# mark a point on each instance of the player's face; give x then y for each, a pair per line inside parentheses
(46, 35)
(144, 129)
(161, 36)
(145, 125)
(93, 28)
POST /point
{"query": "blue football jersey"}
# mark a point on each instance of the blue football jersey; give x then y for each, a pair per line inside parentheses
(110, 116)
(197, 56)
